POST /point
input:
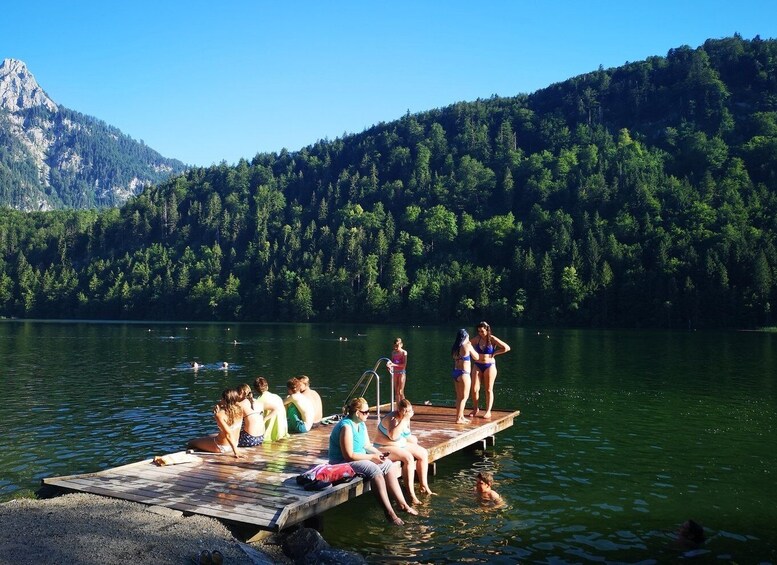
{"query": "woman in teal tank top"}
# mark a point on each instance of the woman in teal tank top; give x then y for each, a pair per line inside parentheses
(350, 442)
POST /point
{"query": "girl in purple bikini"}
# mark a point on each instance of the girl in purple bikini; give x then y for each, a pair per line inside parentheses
(488, 347)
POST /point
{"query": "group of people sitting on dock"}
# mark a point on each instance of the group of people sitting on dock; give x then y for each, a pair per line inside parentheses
(245, 420)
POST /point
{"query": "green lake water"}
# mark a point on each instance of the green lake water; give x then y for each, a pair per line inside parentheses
(622, 436)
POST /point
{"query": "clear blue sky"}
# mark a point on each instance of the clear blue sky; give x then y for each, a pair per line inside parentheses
(205, 81)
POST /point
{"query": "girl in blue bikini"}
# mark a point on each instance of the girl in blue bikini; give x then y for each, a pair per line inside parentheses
(488, 347)
(462, 353)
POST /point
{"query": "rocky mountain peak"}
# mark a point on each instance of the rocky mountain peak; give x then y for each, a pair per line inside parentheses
(18, 88)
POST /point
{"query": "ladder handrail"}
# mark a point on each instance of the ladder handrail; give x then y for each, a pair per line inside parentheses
(368, 375)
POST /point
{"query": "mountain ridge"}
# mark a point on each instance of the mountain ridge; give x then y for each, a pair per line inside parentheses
(52, 157)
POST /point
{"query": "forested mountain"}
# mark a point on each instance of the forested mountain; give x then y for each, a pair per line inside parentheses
(52, 157)
(643, 195)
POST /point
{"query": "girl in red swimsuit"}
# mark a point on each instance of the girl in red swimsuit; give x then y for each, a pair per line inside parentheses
(398, 368)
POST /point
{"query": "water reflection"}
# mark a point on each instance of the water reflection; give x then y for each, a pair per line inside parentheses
(622, 436)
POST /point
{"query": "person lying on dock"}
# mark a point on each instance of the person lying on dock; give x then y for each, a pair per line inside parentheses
(275, 425)
(252, 432)
(299, 410)
(313, 397)
(229, 419)
(394, 437)
(350, 442)
(483, 491)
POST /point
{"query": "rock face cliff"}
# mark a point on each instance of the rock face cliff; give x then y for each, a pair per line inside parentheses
(52, 157)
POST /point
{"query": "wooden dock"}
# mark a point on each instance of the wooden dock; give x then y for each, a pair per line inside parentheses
(260, 490)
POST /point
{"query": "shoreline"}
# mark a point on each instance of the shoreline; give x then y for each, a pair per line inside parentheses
(92, 529)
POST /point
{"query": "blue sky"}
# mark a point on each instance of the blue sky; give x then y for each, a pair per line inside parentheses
(205, 81)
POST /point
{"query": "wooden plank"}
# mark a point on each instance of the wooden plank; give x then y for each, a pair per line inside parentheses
(260, 489)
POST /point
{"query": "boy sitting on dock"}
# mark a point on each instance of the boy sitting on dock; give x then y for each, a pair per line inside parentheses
(299, 410)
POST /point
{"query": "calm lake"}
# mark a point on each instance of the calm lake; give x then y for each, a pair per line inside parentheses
(623, 435)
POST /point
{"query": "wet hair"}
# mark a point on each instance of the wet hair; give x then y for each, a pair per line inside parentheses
(245, 391)
(485, 477)
(404, 405)
(461, 337)
(355, 404)
(292, 385)
(229, 398)
(261, 385)
(692, 531)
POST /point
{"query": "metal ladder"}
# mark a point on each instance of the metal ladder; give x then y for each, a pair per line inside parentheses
(363, 384)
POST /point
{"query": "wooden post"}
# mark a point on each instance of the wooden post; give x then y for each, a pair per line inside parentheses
(259, 536)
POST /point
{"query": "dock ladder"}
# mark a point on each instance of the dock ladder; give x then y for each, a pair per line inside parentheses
(361, 386)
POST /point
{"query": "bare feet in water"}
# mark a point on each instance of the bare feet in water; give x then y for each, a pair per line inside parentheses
(396, 520)
(411, 510)
(427, 490)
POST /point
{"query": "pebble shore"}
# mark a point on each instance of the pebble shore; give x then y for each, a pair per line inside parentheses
(95, 530)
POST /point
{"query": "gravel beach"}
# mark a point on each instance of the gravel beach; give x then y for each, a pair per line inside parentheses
(95, 530)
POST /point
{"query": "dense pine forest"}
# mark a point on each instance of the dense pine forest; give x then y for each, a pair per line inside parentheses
(638, 196)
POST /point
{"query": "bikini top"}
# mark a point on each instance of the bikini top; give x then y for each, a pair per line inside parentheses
(397, 358)
(403, 434)
(487, 350)
(458, 356)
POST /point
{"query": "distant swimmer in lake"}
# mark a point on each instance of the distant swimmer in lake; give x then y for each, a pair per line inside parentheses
(195, 365)
(229, 419)
(252, 432)
(225, 365)
(275, 425)
(349, 442)
(488, 347)
(299, 409)
(484, 492)
(395, 438)
(313, 397)
(398, 368)
(463, 353)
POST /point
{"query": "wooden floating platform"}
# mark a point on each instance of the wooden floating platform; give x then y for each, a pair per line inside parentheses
(260, 490)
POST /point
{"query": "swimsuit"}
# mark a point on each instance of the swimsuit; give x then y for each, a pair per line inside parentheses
(397, 358)
(296, 423)
(247, 440)
(456, 373)
(221, 447)
(275, 426)
(401, 441)
(488, 350)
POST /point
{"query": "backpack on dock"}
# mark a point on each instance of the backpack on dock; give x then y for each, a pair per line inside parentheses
(325, 475)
